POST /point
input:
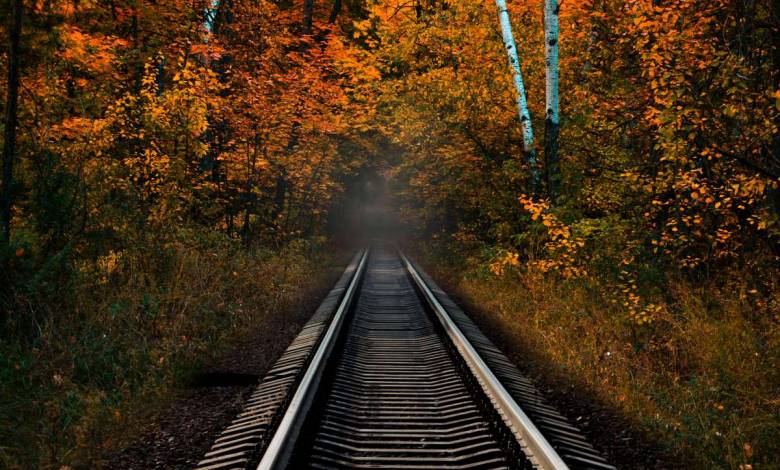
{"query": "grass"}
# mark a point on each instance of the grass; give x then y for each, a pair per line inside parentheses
(79, 370)
(703, 379)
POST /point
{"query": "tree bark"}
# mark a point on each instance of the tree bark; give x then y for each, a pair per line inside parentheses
(774, 151)
(334, 13)
(308, 7)
(529, 148)
(11, 117)
(223, 17)
(552, 121)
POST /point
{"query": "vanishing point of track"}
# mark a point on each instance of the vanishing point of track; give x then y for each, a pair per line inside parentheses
(389, 373)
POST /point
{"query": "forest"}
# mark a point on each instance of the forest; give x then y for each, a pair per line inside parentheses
(602, 177)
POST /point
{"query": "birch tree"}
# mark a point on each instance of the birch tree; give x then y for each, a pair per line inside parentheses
(529, 149)
(551, 122)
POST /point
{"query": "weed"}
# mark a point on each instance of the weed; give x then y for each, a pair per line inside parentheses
(704, 377)
(77, 371)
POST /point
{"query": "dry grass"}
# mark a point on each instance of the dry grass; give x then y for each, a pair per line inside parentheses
(704, 379)
(76, 375)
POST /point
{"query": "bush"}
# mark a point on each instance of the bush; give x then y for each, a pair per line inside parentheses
(702, 376)
(76, 369)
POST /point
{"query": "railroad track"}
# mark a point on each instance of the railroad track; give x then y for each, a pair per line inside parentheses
(390, 373)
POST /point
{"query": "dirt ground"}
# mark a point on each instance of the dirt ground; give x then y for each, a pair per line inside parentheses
(182, 432)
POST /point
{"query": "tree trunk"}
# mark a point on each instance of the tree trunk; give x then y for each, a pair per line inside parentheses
(334, 13)
(223, 17)
(308, 6)
(249, 200)
(529, 149)
(774, 151)
(11, 117)
(551, 122)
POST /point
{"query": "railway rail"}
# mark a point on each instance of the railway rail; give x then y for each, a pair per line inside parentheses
(390, 373)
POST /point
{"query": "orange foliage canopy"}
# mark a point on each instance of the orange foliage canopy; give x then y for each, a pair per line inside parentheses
(218, 113)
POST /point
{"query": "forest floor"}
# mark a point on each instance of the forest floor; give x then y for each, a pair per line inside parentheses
(610, 431)
(701, 393)
(177, 434)
(143, 371)
(152, 371)
(181, 432)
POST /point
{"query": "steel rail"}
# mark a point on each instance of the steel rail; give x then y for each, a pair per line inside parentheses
(279, 450)
(538, 449)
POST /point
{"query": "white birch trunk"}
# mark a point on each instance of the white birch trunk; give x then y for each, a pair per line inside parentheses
(552, 123)
(522, 103)
(551, 57)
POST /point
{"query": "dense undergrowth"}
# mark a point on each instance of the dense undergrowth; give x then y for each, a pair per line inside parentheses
(91, 348)
(702, 378)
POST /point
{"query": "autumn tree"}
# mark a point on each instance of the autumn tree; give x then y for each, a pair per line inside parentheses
(139, 119)
(668, 147)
